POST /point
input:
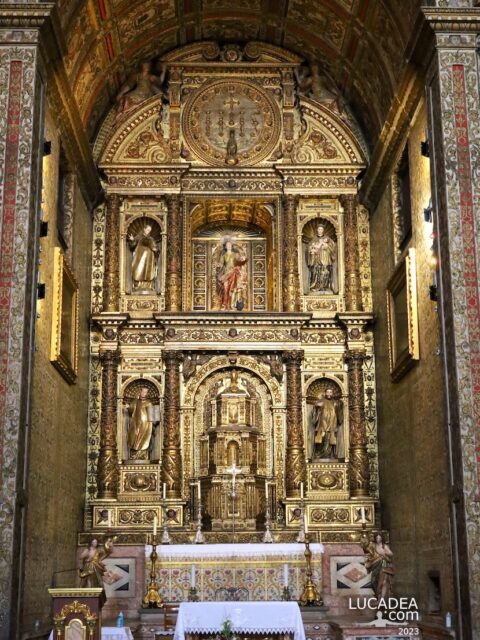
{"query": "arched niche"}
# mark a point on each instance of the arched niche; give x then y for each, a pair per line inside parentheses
(316, 392)
(131, 435)
(320, 258)
(143, 256)
(231, 259)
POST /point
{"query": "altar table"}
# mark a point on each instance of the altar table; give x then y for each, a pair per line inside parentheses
(111, 633)
(258, 568)
(245, 617)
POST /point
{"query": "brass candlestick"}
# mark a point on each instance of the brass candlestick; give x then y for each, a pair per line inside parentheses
(153, 599)
(310, 596)
(165, 536)
(267, 536)
(193, 594)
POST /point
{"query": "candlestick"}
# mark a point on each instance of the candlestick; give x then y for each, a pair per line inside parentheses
(301, 533)
(199, 537)
(305, 516)
(165, 536)
(153, 599)
(192, 577)
(310, 596)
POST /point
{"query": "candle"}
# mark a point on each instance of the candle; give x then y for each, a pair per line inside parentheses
(192, 577)
(301, 490)
(199, 491)
(154, 525)
(164, 490)
(305, 520)
(285, 575)
(266, 491)
(362, 515)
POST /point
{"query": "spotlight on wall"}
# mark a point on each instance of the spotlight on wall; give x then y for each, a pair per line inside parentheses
(41, 291)
(43, 229)
(47, 147)
(425, 148)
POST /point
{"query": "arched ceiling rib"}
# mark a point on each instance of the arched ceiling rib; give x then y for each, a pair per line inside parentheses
(361, 43)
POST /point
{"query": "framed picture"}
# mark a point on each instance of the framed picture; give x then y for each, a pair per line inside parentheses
(403, 347)
(64, 345)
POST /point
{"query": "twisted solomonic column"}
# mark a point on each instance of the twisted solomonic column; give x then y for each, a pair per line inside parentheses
(359, 465)
(107, 470)
(353, 285)
(172, 457)
(295, 465)
(173, 292)
(111, 275)
(291, 280)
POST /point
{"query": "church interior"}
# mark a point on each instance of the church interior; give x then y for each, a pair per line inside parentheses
(240, 318)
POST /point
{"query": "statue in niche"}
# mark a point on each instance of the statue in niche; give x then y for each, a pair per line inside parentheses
(93, 569)
(321, 263)
(326, 423)
(144, 269)
(311, 82)
(379, 564)
(139, 87)
(231, 275)
(142, 418)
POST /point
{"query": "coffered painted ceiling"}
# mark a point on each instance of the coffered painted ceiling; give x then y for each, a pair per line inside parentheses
(361, 43)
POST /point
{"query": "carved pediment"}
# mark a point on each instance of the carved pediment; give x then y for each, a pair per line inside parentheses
(325, 139)
(140, 138)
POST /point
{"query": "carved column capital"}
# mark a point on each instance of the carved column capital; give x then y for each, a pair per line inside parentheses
(111, 276)
(107, 471)
(353, 287)
(173, 293)
(293, 358)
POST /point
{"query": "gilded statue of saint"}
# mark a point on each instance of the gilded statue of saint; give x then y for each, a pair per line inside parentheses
(379, 563)
(144, 263)
(142, 418)
(231, 276)
(321, 253)
(139, 87)
(327, 419)
(93, 569)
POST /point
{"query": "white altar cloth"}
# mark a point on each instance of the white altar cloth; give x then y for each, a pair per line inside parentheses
(229, 551)
(111, 633)
(247, 617)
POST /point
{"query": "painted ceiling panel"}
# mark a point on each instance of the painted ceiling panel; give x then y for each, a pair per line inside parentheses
(360, 43)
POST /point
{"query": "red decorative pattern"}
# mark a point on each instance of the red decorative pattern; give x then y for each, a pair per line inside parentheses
(8, 228)
(468, 239)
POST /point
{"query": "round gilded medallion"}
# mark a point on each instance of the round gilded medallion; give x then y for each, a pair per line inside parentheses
(231, 123)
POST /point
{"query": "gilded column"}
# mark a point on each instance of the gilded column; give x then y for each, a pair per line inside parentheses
(111, 279)
(107, 471)
(359, 466)
(291, 280)
(353, 286)
(295, 466)
(173, 293)
(172, 459)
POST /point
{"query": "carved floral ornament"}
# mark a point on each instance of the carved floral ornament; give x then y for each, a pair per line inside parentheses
(223, 116)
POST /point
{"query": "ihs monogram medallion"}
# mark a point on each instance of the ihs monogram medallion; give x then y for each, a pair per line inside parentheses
(231, 123)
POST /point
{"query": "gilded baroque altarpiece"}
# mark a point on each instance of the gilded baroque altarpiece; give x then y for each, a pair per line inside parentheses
(231, 307)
